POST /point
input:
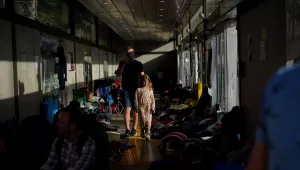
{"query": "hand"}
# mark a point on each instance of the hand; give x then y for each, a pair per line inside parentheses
(126, 59)
(153, 112)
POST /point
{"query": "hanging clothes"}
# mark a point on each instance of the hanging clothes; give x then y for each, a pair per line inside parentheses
(62, 74)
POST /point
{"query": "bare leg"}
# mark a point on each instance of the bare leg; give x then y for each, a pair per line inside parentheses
(142, 123)
(126, 113)
(148, 120)
(135, 119)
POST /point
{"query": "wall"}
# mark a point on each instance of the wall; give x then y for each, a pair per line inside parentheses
(71, 79)
(79, 65)
(266, 21)
(28, 51)
(7, 106)
(28, 48)
(101, 61)
(155, 55)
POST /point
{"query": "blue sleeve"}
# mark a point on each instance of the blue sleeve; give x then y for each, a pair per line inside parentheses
(261, 136)
(261, 132)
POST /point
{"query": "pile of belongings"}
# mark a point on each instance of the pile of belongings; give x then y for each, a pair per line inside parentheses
(190, 102)
(214, 137)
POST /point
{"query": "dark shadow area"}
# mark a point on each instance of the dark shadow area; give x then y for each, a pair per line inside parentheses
(166, 63)
(160, 57)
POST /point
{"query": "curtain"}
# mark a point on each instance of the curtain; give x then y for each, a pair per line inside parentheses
(232, 59)
(213, 75)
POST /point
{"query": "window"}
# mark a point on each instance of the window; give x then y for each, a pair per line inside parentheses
(48, 70)
(2, 3)
(103, 34)
(221, 72)
(54, 13)
(87, 72)
(84, 23)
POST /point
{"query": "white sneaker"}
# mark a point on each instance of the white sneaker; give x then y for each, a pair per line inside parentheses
(147, 137)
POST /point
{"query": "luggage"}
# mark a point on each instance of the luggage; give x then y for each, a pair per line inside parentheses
(113, 136)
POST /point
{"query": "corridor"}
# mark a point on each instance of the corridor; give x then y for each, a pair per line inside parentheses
(208, 61)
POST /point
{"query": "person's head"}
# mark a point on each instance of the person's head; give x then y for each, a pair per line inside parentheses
(205, 90)
(130, 53)
(146, 81)
(74, 104)
(68, 121)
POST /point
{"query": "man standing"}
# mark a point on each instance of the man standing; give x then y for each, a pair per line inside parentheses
(132, 72)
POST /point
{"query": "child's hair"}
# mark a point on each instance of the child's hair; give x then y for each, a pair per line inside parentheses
(146, 82)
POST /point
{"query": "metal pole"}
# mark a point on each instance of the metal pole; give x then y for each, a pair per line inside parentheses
(204, 45)
(190, 48)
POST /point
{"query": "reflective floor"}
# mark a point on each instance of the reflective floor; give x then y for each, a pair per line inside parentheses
(139, 157)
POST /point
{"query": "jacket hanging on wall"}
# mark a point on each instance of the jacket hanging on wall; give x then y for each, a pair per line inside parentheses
(62, 75)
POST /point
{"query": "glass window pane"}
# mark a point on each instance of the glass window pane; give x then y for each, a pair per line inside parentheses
(54, 13)
(103, 34)
(2, 3)
(84, 23)
(48, 70)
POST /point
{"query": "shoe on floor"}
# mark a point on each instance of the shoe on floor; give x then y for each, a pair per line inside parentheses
(127, 133)
(147, 137)
(133, 132)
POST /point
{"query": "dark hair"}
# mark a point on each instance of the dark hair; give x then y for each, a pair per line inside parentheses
(129, 47)
(75, 115)
(74, 104)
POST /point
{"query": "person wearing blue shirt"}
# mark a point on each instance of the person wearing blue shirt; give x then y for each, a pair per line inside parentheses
(277, 144)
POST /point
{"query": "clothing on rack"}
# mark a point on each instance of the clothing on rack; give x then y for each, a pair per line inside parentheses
(62, 75)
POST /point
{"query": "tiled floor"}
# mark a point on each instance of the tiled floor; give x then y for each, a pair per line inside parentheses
(139, 157)
(144, 152)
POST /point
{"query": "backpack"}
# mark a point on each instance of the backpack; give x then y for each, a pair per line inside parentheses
(98, 134)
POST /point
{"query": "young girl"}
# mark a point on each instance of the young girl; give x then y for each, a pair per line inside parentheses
(145, 105)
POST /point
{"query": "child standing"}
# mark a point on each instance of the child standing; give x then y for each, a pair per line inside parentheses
(145, 105)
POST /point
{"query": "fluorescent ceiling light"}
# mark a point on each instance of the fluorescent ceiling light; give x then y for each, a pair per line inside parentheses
(161, 9)
(161, 15)
(162, 1)
(105, 3)
(160, 20)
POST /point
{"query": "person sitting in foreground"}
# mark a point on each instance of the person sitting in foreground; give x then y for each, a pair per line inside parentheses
(74, 104)
(66, 154)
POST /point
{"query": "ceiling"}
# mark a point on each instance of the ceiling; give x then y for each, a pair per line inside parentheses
(140, 19)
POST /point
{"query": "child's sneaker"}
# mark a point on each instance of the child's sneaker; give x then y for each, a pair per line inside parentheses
(133, 132)
(147, 137)
(127, 133)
